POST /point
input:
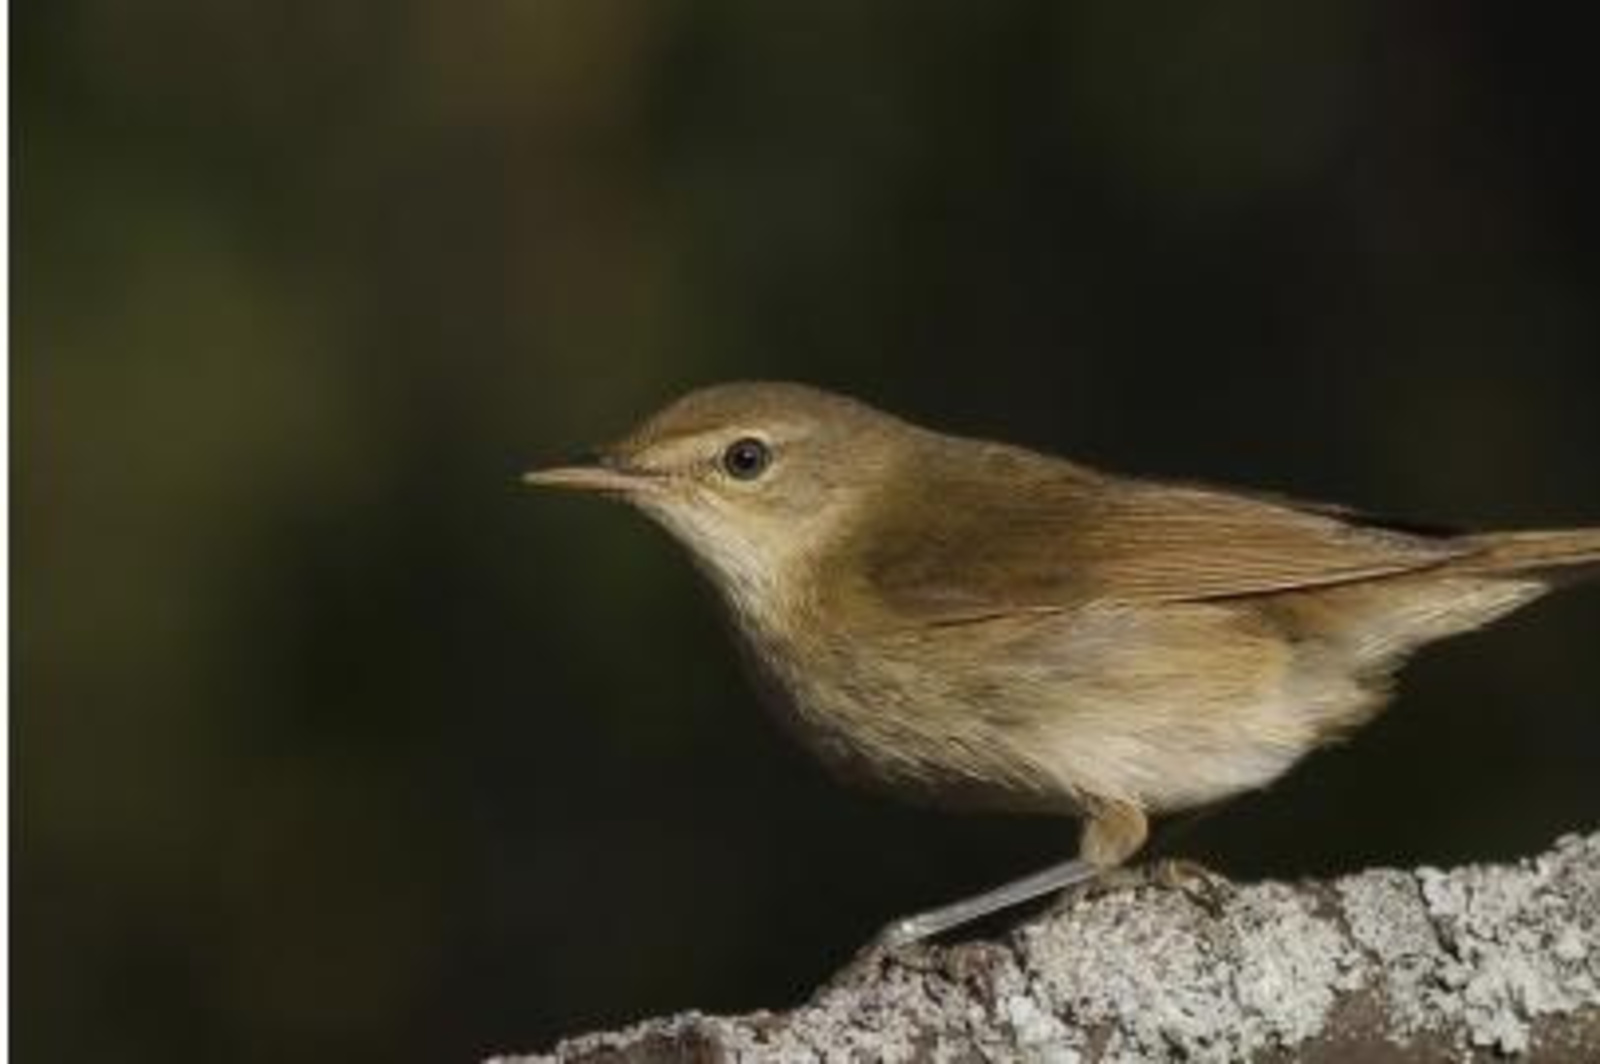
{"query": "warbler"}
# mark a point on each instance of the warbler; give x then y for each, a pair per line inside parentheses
(980, 625)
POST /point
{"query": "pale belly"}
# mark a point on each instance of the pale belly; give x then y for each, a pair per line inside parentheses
(1167, 709)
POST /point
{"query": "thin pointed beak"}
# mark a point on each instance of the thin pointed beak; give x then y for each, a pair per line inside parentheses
(591, 475)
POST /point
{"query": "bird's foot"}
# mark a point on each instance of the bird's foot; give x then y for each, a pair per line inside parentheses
(1209, 890)
(896, 943)
(1110, 881)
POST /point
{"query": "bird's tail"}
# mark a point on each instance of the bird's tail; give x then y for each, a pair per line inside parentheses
(1554, 556)
(1497, 573)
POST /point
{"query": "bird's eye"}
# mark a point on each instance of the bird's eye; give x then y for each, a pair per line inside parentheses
(746, 459)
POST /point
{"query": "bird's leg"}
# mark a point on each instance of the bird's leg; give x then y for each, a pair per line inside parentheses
(924, 924)
(1112, 831)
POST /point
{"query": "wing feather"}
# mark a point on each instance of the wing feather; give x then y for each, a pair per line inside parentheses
(1061, 535)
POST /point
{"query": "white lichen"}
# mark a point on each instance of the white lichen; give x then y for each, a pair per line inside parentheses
(1475, 961)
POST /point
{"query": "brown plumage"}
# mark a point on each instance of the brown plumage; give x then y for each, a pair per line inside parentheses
(972, 623)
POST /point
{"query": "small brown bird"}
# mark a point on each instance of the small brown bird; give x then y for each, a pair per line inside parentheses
(980, 625)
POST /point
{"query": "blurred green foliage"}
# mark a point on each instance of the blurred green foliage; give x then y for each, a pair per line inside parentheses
(332, 744)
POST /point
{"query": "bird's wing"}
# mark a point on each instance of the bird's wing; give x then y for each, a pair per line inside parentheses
(1059, 543)
(1163, 543)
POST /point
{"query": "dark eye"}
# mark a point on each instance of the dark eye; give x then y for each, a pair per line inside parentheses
(746, 459)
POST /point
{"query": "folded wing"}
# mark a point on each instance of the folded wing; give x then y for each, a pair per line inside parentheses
(1066, 536)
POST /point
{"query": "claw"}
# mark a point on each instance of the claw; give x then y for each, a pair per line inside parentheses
(888, 945)
(1207, 889)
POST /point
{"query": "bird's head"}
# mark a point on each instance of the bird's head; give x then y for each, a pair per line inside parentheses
(753, 477)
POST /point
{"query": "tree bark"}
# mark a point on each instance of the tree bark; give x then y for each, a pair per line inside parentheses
(1478, 962)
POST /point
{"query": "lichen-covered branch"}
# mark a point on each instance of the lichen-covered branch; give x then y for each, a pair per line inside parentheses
(1382, 966)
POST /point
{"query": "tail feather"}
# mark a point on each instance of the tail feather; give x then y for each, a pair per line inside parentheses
(1556, 556)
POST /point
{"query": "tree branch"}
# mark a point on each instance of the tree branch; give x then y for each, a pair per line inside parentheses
(1481, 961)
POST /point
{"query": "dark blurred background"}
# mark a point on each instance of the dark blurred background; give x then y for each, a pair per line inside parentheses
(333, 744)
